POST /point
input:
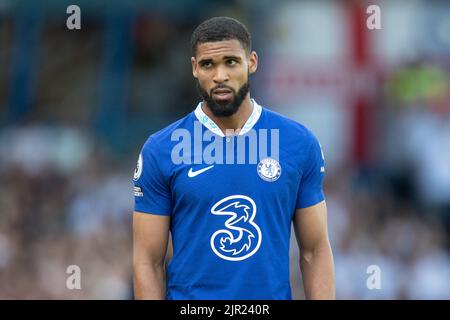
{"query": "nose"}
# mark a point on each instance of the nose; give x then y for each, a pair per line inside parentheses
(221, 75)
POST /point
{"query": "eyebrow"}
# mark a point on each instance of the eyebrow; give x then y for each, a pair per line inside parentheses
(232, 57)
(204, 61)
(224, 58)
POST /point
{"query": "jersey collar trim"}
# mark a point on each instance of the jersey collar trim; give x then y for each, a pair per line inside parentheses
(211, 125)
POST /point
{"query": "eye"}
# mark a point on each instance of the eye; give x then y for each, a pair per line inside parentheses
(231, 62)
(206, 64)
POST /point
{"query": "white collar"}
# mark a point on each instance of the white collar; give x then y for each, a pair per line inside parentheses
(211, 125)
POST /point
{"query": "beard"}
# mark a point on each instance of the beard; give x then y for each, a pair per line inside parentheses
(228, 108)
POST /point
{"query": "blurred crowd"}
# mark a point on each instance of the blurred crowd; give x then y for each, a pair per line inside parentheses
(63, 203)
(66, 190)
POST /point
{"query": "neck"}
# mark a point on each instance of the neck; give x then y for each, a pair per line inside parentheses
(234, 122)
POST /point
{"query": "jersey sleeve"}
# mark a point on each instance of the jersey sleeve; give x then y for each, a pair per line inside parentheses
(151, 190)
(311, 190)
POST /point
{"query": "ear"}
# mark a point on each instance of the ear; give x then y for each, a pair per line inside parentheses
(194, 66)
(253, 62)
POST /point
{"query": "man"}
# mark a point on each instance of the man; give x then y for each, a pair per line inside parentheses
(227, 205)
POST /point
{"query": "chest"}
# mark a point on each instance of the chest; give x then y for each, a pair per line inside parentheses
(268, 181)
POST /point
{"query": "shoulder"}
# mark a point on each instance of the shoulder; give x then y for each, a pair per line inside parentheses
(162, 139)
(293, 129)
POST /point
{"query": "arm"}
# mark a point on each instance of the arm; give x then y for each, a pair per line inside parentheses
(150, 239)
(316, 258)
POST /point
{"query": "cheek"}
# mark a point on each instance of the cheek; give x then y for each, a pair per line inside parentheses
(204, 83)
(204, 77)
(242, 76)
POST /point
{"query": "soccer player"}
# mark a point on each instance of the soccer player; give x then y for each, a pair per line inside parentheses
(210, 182)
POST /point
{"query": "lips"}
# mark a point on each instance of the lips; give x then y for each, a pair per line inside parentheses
(222, 94)
(222, 91)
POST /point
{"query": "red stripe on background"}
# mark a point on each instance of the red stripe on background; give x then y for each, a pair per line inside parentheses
(361, 124)
(359, 33)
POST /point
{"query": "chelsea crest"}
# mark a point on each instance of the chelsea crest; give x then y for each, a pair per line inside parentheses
(269, 169)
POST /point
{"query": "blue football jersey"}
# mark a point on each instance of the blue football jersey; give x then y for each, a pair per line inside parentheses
(231, 200)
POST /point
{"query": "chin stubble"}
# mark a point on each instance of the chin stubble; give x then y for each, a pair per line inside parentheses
(225, 109)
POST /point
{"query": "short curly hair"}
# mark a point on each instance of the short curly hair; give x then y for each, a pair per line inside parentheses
(219, 29)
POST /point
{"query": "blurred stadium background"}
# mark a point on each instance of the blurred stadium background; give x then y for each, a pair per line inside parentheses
(76, 107)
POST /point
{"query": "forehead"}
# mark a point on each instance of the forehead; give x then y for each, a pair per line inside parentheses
(218, 49)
